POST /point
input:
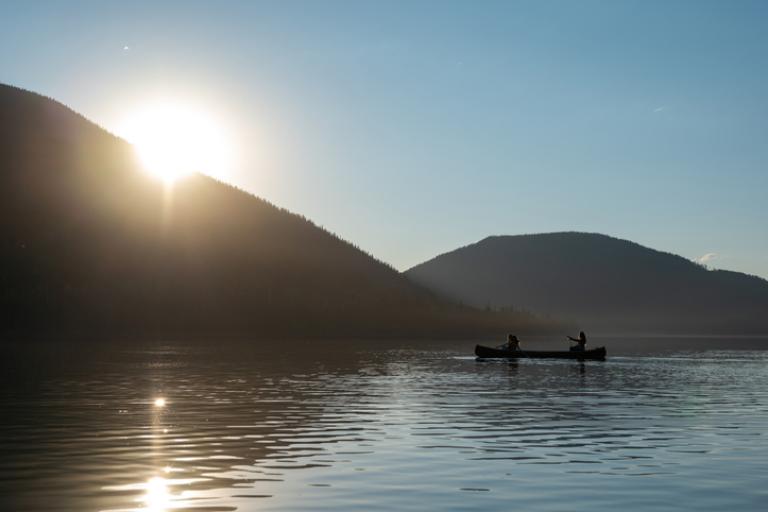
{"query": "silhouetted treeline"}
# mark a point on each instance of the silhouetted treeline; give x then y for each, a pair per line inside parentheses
(601, 282)
(92, 246)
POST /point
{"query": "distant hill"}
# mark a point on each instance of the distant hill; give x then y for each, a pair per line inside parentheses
(600, 282)
(92, 246)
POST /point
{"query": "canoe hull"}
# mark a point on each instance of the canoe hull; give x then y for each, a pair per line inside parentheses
(495, 353)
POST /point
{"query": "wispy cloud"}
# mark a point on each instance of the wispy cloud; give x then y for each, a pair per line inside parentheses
(659, 109)
(707, 258)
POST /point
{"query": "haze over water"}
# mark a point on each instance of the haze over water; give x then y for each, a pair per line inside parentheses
(394, 428)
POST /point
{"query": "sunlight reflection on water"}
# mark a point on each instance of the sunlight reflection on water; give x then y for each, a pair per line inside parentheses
(157, 498)
(392, 429)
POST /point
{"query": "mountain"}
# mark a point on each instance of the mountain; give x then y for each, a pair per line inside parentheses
(600, 282)
(90, 245)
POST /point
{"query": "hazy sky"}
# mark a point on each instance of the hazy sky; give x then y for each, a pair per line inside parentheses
(413, 128)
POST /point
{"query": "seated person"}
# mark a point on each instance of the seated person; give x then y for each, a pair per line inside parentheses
(513, 343)
(581, 340)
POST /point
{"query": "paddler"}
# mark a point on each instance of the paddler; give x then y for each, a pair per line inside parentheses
(512, 342)
(581, 342)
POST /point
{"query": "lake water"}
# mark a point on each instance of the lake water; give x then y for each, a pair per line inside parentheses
(655, 427)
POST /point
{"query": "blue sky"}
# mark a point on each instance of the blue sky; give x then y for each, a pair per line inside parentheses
(413, 128)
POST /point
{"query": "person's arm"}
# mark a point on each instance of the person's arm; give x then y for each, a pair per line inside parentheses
(574, 339)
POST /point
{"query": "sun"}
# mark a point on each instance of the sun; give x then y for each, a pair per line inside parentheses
(174, 140)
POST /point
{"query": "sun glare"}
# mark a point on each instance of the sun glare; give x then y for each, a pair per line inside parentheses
(174, 140)
(158, 496)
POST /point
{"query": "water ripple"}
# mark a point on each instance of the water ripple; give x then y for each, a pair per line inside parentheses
(395, 429)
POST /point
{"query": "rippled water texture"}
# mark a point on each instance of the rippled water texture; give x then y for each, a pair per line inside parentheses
(85, 428)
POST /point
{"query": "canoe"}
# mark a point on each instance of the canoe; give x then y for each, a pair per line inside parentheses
(493, 353)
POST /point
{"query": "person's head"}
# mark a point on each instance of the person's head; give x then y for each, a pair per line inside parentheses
(512, 338)
(582, 335)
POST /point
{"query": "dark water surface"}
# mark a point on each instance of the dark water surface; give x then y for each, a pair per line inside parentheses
(427, 428)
